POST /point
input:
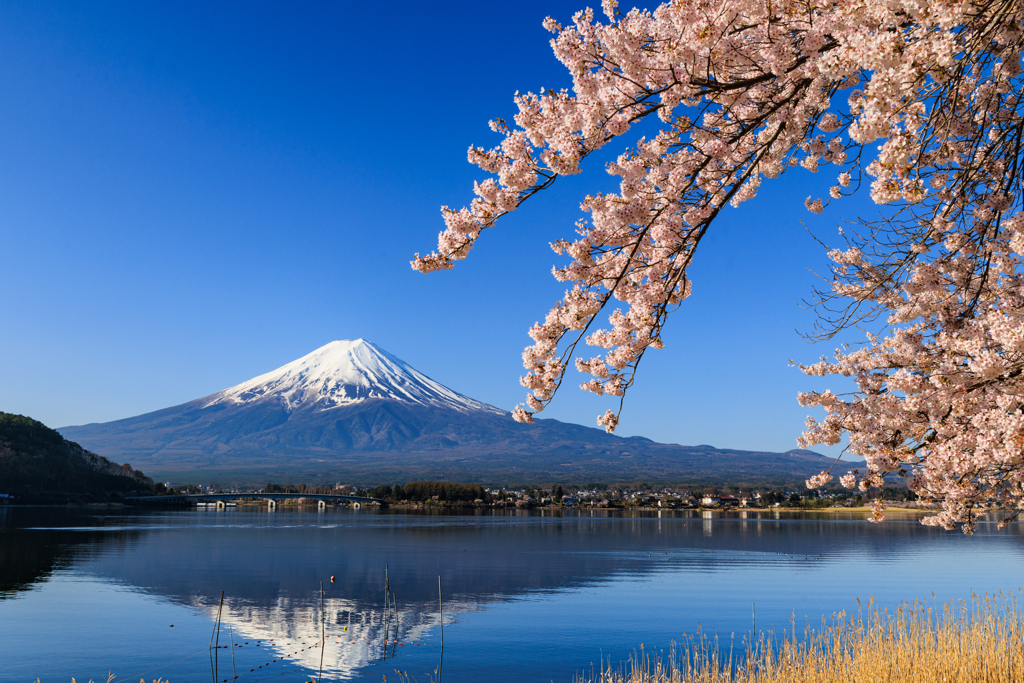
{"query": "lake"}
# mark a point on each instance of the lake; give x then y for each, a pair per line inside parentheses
(527, 596)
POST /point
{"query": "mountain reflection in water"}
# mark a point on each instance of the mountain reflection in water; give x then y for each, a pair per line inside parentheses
(527, 596)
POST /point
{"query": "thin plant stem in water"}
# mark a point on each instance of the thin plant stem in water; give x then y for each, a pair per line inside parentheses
(323, 633)
(216, 623)
(440, 614)
(231, 634)
(394, 641)
(215, 644)
(387, 609)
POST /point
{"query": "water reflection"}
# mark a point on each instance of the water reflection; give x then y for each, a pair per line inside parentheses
(27, 558)
(356, 639)
(535, 596)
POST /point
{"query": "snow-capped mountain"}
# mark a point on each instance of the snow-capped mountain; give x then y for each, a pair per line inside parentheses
(352, 411)
(343, 373)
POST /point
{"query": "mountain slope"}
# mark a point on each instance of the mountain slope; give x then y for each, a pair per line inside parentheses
(350, 410)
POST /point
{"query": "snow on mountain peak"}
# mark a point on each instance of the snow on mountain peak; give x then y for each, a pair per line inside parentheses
(343, 373)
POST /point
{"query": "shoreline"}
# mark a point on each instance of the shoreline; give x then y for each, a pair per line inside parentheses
(455, 507)
(858, 511)
(861, 508)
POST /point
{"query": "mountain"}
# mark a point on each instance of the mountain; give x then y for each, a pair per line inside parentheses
(351, 411)
(36, 460)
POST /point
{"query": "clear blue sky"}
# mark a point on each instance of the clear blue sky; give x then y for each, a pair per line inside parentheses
(195, 194)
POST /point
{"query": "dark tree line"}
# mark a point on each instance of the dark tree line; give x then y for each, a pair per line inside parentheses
(427, 490)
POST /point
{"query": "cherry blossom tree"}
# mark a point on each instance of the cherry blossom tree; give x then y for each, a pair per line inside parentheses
(919, 100)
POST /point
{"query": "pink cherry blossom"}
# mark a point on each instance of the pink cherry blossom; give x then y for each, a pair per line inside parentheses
(923, 102)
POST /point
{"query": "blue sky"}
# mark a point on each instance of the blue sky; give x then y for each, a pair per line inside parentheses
(194, 195)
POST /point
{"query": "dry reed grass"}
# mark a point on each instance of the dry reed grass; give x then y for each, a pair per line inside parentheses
(976, 641)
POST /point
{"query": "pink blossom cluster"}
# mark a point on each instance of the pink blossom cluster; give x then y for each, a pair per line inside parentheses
(940, 397)
(745, 90)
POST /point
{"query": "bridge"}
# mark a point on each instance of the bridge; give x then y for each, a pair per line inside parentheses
(271, 498)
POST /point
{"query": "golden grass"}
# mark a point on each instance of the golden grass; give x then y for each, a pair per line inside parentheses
(975, 642)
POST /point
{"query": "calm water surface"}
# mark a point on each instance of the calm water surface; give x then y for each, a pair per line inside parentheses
(527, 597)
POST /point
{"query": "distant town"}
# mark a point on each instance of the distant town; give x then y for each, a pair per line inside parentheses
(597, 496)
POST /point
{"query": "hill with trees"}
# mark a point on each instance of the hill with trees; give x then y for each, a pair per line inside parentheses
(37, 461)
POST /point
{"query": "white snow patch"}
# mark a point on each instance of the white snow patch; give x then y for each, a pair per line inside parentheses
(343, 373)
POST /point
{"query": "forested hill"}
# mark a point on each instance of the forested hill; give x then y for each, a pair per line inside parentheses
(36, 460)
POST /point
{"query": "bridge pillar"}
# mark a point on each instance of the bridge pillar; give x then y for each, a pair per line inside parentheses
(272, 504)
(321, 504)
(356, 505)
(221, 505)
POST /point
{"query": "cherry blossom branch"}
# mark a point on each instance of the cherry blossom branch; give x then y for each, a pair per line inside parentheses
(746, 90)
